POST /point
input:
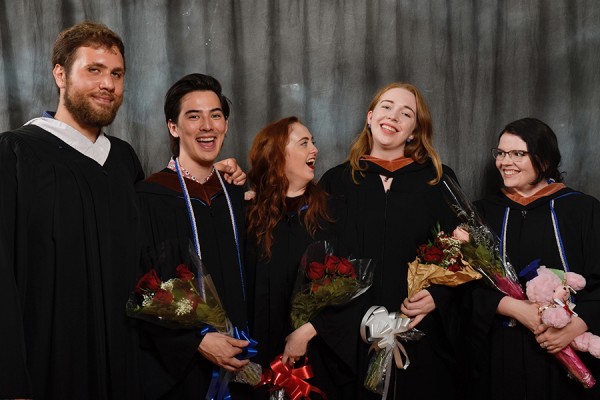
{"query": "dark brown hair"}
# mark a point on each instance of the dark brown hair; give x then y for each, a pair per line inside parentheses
(542, 147)
(84, 34)
(187, 84)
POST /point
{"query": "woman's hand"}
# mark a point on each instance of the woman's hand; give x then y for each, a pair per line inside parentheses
(221, 350)
(297, 342)
(554, 340)
(524, 311)
(418, 306)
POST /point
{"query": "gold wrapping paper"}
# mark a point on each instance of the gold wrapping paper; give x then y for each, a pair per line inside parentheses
(421, 276)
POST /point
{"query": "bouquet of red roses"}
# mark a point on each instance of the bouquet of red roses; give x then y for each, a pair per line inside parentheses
(440, 262)
(187, 302)
(323, 280)
(480, 246)
(181, 302)
(327, 280)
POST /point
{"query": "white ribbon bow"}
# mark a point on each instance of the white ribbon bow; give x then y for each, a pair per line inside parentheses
(384, 332)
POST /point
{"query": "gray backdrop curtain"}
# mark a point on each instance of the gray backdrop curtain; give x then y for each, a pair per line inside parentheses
(480, 64)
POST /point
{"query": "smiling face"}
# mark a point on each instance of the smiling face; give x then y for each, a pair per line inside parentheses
(92, 91)
(517, 176)
(392, 121)
(300, 157)
(201, 127)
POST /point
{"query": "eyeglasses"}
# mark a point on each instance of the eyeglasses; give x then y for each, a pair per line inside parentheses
(515, 155)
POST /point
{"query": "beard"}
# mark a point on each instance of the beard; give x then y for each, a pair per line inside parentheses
(90, 114)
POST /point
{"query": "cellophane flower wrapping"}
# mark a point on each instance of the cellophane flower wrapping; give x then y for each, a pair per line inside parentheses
(187, 301)
(385, 331)
(325, 279)
(482, 251)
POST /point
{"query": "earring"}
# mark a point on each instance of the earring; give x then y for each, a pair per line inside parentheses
(408, 140)
(369, 126)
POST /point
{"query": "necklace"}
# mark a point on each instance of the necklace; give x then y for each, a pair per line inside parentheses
(187, 174)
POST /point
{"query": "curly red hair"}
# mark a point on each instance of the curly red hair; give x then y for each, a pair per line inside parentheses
(268, 179)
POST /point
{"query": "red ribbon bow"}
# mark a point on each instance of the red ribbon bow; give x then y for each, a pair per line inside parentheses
(290, 379)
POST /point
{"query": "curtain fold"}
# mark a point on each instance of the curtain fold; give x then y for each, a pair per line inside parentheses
(480, 64)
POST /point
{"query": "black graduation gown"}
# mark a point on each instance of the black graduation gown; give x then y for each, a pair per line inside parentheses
(68, 251)
(388, 227)
(173, 368)
(272, 286)
(508, 362)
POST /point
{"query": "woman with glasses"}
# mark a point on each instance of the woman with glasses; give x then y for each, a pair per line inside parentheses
(536, 217)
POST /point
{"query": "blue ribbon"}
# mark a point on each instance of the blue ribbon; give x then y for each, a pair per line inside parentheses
(219, 384)
(530, 271)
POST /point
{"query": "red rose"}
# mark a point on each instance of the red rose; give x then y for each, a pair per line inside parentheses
(433, 255)
(163, 296)
(331, 264)
(346, 268)
(315, 271)
(454, 267)
(149, 282)
(194, 299)
(184, 273)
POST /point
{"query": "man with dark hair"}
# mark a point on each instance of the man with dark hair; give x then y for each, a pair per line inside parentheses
(188, 202)
(69, 228)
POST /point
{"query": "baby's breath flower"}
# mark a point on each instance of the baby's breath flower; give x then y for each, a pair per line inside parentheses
(168, 285)
(147, 299)
(183, 306)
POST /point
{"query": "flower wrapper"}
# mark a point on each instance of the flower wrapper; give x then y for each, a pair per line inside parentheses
(421, 276)
(190, 301)
(327, 280)
(482, 251)
(251, 374)
(386, 332)
(576, 369)
(480, 246)
(183, 302)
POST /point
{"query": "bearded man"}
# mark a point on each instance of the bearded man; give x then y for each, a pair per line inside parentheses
(68, 228)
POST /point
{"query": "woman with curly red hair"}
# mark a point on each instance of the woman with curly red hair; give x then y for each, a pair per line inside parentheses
(288, 213)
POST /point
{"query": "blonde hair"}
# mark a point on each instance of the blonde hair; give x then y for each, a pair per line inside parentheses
(420, 147)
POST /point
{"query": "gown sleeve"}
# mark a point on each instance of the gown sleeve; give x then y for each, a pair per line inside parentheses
(588, 299)
(14, 379)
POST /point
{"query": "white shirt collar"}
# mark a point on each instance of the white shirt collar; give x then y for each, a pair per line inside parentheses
(97, 151)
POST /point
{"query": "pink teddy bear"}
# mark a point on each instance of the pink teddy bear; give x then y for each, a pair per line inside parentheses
(552, 295)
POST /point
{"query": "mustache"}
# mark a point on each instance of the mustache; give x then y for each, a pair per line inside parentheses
(104, 93)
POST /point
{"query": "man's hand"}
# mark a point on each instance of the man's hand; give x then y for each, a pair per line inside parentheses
(221, 350)
(231, 171)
